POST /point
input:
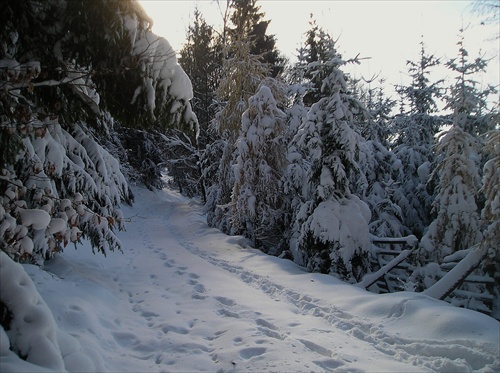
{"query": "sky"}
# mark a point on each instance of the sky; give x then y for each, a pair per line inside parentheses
(387, 33)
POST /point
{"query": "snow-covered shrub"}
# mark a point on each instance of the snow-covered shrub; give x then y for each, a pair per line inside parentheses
(335, 238)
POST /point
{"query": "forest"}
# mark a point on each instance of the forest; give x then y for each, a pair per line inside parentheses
(306, 161)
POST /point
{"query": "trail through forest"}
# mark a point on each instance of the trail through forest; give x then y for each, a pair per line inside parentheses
(185, 297)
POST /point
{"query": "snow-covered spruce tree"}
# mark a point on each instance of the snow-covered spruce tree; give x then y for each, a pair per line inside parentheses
(136, 73)
(377, 184)
(379, 108)
(490, 215)
(256, 206)
(162, 98)
(378, 187)
(331, 225)
(456, 226)
(467, 100)
(242, 73)
(145, 88)
(57, 183)
(293, 181)
(415, 132)
(457, 168)
(313, 57)
(456, 230)
(59, 108)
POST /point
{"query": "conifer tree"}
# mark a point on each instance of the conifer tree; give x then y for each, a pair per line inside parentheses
(457, 176)
(415, 131)
(242, 73)
(490, 214)
(201, 58)
(58, 109)
(379, 108)
(378, 187)
(315, 53)
(323, 238)
(456, 226)
(256, 202)
(457, 170)
(466, 99)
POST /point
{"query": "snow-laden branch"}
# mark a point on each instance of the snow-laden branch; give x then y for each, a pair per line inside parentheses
(16, 76)
(453, 279)
(371, 278)
(410, 240)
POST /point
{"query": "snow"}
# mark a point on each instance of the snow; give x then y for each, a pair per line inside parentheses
(185, 297)
(32, 330)
(163, 73)
(38, 219)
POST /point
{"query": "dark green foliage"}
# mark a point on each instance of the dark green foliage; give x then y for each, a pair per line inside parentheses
(69, 68)
(318, 49)
(201, 58)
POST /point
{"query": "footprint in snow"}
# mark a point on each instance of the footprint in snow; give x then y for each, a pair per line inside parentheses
(250, 352)
(226, 313)
(269, 329)
(316, 348)
(199, 288)
(148, 315)
(174, 329)
(169, 263)
(226, 301)
(125, 339)
(329, 364)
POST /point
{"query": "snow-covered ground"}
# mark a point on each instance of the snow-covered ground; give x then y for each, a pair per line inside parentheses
(185, 297)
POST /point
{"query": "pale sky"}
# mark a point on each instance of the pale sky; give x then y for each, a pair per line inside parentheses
(389, 32)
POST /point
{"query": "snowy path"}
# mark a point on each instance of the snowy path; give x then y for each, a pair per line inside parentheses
(185, 297)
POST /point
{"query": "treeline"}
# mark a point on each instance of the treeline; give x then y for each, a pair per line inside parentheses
(312, 164)
(305, 160)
